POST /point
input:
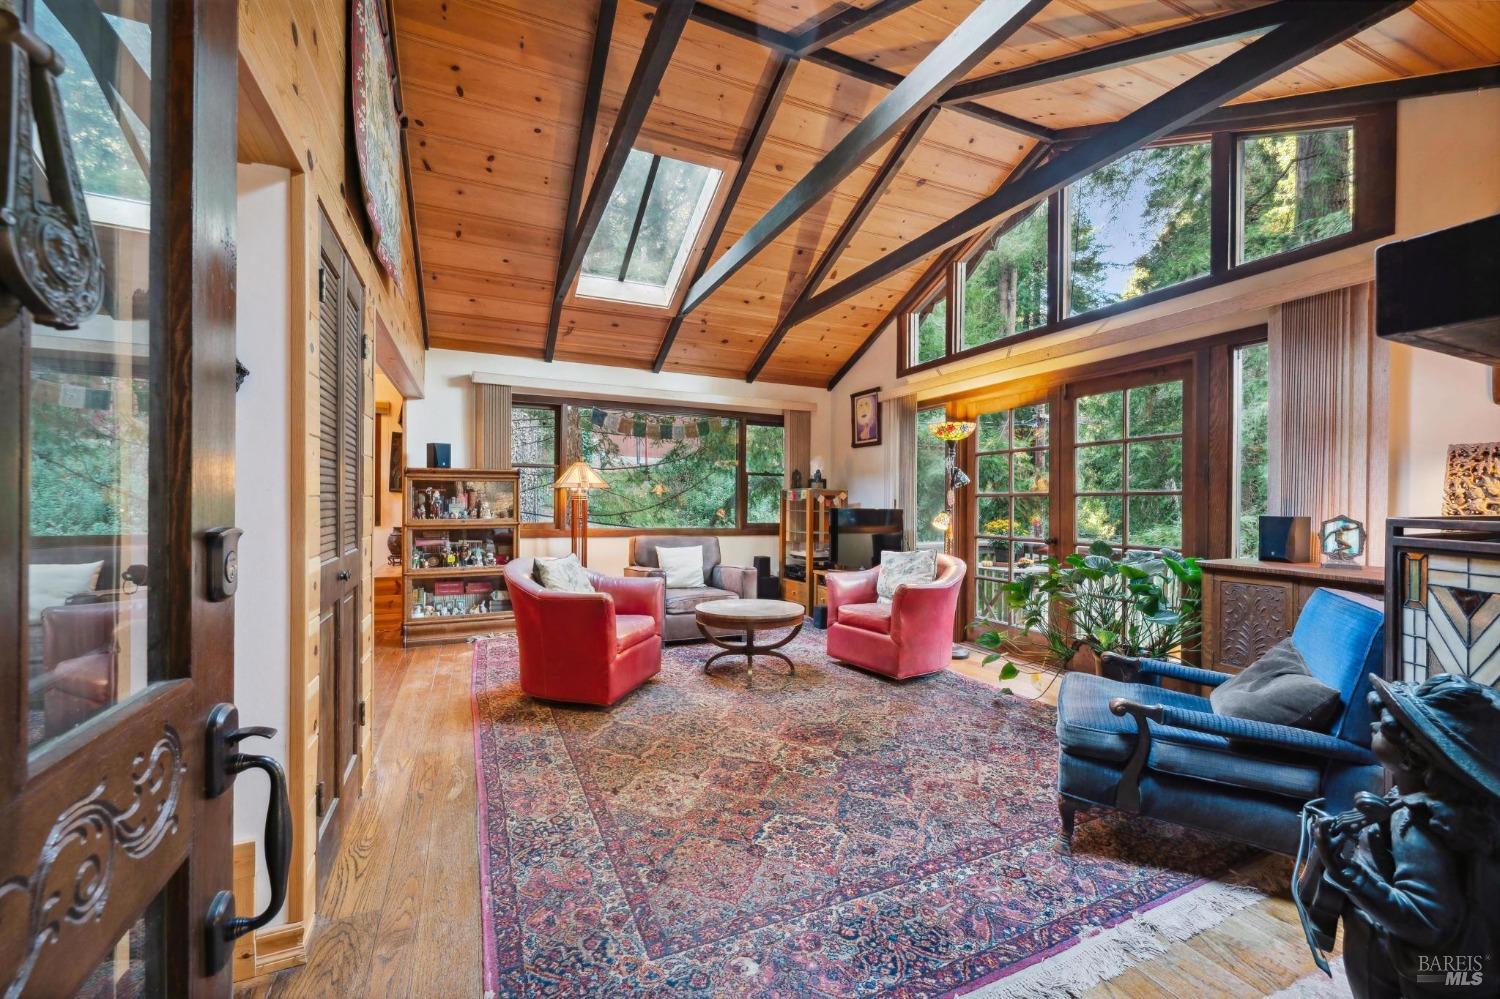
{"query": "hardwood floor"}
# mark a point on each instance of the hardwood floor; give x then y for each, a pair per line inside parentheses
(400, 916)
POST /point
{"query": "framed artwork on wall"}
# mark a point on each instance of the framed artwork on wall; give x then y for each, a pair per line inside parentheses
(397, 463)
(864, 418)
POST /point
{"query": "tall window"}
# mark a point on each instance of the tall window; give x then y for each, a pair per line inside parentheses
(1295, 188)
(932, 489)
(765, 463)
(641, 246)
(1138, 224)
(1128, 467)
(929, 330)
(1005, 284)
(664, 469)
(1011, 509)
(534, 453)
(1251, 465)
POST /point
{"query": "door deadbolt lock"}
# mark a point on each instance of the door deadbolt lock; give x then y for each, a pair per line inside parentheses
(223, 562)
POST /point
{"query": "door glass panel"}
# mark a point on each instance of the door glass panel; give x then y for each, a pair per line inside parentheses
(133, 967)
(1130, 493)
(1011, 509)
(90, 397)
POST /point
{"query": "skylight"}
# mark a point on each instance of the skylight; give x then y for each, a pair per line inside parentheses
(641, 247)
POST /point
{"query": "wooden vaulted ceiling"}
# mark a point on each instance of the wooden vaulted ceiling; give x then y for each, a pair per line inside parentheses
(494, 90)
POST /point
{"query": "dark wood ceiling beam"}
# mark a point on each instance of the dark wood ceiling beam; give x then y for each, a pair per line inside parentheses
(1141, 48)
(666, 28)
(846, 22)
(1252, 114)
(1263, 59)
(846, 233)
(929, 277)
(786, 44)
(989, 25)
(781, 80)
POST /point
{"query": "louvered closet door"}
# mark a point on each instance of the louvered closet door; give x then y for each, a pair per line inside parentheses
(340, 487)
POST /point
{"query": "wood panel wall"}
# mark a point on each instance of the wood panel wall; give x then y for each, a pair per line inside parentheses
(295, 113)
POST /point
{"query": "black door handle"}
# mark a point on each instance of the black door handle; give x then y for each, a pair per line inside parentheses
(223, 763)
(343, 575)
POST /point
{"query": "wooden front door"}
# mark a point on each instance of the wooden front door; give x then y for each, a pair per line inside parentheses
(341, 353)
(117, 377)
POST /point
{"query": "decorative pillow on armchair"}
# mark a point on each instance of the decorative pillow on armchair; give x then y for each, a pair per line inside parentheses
(563, 574)
(1279, 688)
(683, 566)
(904, 567)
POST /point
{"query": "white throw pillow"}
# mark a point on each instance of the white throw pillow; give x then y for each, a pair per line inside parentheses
(684, 566)
(564, 574)
(52, 585)
(904, 567)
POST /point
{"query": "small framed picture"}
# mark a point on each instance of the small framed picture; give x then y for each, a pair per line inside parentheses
(864, 418)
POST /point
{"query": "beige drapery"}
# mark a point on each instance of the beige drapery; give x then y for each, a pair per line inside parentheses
(899, 425)
(492, 426)
(798, 424)
(1328, 425)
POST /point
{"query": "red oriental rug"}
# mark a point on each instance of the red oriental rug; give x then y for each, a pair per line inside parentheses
(840, 835)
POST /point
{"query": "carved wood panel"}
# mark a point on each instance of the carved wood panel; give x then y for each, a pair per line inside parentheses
(1252, 617)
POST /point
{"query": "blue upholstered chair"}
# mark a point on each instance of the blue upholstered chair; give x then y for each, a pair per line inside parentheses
(1134, 745)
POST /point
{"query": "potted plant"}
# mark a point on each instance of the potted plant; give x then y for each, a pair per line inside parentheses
(1135, 603)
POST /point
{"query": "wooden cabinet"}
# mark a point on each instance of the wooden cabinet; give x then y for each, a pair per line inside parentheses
(806, 543)
(1249, 606)
(461, 527)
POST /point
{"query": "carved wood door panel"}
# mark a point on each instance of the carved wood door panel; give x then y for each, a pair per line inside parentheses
(116, 466)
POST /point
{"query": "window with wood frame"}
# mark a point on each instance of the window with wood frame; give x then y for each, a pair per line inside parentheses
(534, 450)
(1169, 219)
(1127, 453)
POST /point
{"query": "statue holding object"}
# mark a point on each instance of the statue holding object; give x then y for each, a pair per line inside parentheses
(1415, 874)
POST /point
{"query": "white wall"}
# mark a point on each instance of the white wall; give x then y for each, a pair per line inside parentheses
(262, 604)
(446, 414)
(1447, 171)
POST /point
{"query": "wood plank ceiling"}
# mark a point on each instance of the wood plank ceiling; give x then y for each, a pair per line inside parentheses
(494, 89)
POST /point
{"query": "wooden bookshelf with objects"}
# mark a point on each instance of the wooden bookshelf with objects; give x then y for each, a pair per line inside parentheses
(806, 537)
(460, 529)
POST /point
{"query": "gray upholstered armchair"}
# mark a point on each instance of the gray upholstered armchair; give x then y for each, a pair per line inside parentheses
(724, 582)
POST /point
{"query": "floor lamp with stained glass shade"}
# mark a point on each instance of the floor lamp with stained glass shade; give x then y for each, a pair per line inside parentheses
(578, 480)
(950, 432)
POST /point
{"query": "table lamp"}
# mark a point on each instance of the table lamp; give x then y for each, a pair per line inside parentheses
(578, 480)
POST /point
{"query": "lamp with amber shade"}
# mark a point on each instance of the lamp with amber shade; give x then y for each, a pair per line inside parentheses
(578, 480)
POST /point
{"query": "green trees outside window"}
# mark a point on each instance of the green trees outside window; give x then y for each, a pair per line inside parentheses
(765, 463)
(1128, 472)
(1251, 473)
(1295, 188)
(1138, 224)
(931, 487)
(1005, 285)
(930, 330)
(533, 453)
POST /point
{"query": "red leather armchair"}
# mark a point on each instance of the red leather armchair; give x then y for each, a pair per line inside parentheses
(586, 648)
(908, 637)
(78, 662)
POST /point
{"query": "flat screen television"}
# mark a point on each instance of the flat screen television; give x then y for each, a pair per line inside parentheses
(860, 534)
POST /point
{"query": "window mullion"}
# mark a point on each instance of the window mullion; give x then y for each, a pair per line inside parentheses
(1223, 198)
(1057, 260)
(640, 214)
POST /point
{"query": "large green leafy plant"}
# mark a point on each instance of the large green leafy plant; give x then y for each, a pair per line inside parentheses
(1134, 604)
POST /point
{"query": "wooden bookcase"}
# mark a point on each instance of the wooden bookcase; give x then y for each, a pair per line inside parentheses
(461, 526)
(806, 542)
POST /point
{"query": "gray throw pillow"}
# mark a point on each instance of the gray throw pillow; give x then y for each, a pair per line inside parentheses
(904, 567)
(1279, 688)
(564, 574)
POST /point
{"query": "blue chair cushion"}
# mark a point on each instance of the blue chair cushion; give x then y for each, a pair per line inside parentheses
(1342, 640)
(1087, 728)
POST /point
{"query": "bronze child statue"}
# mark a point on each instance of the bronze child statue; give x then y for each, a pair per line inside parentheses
(1415, 874)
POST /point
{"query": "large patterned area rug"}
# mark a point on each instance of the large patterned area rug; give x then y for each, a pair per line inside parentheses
(835, 834)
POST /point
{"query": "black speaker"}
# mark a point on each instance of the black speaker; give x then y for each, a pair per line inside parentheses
(439, 456)
(768, 587)
(820, 616)
(1285, 539)
(762, 566)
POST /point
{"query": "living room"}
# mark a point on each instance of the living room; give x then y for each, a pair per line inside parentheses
(754, 498)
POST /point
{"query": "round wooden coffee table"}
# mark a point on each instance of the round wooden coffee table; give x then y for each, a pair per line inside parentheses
(750, 616)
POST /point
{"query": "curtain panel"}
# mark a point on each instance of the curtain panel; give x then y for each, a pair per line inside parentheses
(1329, 426)
(492, 426)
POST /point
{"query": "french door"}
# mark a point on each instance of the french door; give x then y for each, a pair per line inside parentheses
(117, 557)
(1013, 519)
